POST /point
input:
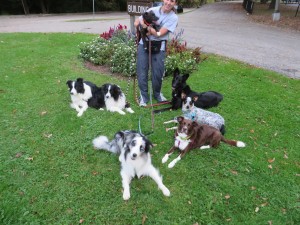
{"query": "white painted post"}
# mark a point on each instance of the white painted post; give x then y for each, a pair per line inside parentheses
(276, 14)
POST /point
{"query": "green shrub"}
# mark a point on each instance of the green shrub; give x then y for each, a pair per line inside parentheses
(184, 61)
(117, 49)
(98, 51)
(179, 56)
(123, 59)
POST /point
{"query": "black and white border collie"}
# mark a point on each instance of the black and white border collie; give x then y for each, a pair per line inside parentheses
(133, 149)
(115, 100)
(85, 94)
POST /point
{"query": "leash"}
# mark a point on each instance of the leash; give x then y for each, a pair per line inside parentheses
(135, 90)
(150, 76)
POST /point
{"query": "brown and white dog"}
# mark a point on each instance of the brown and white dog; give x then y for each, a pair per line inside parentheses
(190, 135)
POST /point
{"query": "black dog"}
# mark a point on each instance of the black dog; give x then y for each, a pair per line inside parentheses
(205, 100)
(149, 20)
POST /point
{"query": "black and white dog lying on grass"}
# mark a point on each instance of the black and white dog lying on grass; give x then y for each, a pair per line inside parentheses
(115, 100)
(85, 94)
(133, 149)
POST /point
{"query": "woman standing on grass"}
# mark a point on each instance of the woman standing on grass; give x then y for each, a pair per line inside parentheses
(167, 23)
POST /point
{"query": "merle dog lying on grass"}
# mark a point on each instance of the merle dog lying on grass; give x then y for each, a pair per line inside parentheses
(205, 100)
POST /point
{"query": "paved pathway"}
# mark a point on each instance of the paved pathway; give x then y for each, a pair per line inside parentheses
(214, 27)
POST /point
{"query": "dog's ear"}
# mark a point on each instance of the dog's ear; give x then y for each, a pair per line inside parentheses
(176, 72)
(195, 98)
(180, 119)
(185, 77)
(119, 135)
(148, 146)
(80, 80)
(69, 82)
(183, 96)
(115, 92)
(79, 85)
(194, 124)
(126, 151)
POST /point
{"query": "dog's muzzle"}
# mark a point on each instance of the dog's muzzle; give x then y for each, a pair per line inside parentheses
(133, 156)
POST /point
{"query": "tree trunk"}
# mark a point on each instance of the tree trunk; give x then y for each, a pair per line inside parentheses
(272, 4)
(25, 7)
(43, 7)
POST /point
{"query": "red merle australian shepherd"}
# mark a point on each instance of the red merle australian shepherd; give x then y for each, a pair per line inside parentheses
(190, 135)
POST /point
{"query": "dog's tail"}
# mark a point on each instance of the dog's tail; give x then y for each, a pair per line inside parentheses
(103, 143)
(239, 144)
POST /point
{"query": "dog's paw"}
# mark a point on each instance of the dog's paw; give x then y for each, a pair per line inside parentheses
(129, 110)
(79, 114)
(171, 164)
(126, 195)
(165, 158)
(204, 147)
(121, 112)
(166, 191)
(73, 106)
(240, 144)
(101, 109)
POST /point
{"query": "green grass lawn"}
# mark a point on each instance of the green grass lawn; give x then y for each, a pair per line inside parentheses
(50, 173)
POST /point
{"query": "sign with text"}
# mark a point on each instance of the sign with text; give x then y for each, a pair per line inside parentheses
(138, 7)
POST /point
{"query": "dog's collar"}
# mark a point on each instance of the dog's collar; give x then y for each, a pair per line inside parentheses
(187, 138)
(145, 22)
(190, 114)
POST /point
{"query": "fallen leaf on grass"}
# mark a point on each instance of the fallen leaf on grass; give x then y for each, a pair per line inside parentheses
(43, 113)
(47, 135)
(270, 222)
(29, 158)
(144, 219)
(253, 188)
(270, 166)
(19, 154)
(264, 204)
(95, 173)
(271, 160)
(227, 196)
(252, 131)
(234, 172)
(81, 220)
(256, 209)
(189, 202)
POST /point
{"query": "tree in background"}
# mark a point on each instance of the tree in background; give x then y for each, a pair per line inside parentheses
(16, 7)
